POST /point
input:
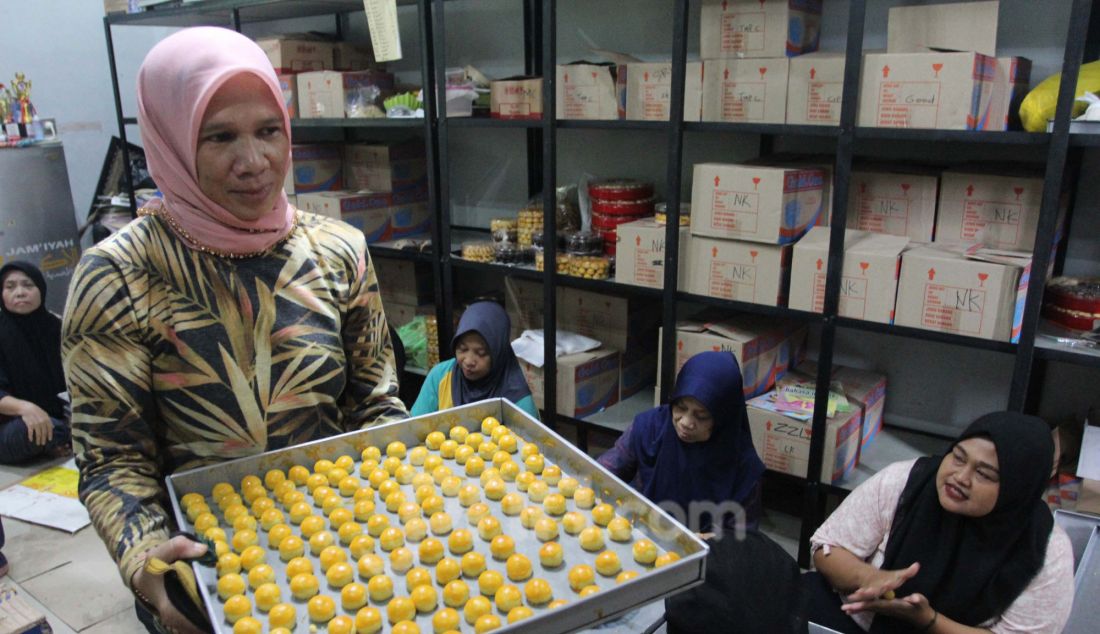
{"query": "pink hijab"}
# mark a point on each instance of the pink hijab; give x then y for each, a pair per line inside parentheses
(176, 82)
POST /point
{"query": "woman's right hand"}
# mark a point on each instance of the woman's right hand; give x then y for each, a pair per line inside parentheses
(39, 425)
(880, 583)
(151, 586)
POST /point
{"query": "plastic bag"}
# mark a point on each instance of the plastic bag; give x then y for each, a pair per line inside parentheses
(1039, 104)
(414, 336)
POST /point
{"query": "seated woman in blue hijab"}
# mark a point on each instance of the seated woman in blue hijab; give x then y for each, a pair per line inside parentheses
(484, 365)
(698, 448)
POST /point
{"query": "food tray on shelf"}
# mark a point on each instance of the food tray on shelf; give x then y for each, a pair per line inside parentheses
(647, 520)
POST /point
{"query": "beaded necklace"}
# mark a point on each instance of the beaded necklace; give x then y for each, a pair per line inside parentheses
(162, 213)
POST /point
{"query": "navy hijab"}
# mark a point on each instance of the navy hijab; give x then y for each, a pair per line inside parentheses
(973, 569)
(721, 469)
(30, 349)
(505, 378)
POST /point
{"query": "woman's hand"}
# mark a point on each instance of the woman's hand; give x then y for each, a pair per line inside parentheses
(39, 425)
(913, 608)
(880, 584)
(151, 587)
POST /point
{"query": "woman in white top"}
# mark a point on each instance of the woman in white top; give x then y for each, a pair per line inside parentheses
(958, 543)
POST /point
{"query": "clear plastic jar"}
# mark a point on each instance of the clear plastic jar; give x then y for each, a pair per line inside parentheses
(592, 267)
(584, 243)
(480, 251)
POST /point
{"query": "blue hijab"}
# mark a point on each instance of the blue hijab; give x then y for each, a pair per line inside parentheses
(505, 378)
(723, 468)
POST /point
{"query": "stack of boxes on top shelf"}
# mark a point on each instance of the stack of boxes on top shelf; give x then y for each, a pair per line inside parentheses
(380, 188)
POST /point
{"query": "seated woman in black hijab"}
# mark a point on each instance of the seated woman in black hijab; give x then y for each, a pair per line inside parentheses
(955, 543)
(32, 416)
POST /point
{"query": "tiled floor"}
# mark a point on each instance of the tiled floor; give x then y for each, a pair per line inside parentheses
(73, 581)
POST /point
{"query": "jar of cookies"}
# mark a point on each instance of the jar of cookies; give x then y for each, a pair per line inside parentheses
(512, 253)
(479, 251)
(503, 229)
(661, 213)
(529, 221)
(432, 326)
(592, 267)
(562, 260)
(584, 243)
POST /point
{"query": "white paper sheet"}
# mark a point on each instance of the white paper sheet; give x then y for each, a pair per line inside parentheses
(385, 36)
(47, 498)
(1088, 464)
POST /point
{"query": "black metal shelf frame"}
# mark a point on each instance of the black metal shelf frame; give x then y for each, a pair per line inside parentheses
(540, 29)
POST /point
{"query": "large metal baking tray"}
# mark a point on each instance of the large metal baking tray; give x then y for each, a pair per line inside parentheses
(649, 521)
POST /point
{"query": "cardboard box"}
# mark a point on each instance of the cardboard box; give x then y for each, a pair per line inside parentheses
(333, 94)
(381, 217)
(940, 90)
(745, 90)
(957, 26)
(17, 616)
(587, 382)
(869, 276)
(296, 55)
(782, 439)
(399, 314)
(759, 28)
(289, 85)
(645, 91)
(814, 89)
(523, 301)
(962, 290)
(765, 348)
(894, 203)
(867, 388)
(402, 281)
(516, 98)
(999, 211)
(352, 56)
(637, 370)
(617, 322)
(737, 270)
(585, 91)
(774, 205)
(380, 167)
(1010, 86)
(640, 254)
(317, 167)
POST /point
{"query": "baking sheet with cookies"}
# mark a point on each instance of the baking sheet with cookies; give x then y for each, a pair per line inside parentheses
(464, 488)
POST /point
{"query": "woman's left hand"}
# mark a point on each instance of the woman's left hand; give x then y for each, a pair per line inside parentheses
(913, 608)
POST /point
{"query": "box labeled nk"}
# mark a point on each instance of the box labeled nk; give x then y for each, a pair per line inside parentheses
(776, 205)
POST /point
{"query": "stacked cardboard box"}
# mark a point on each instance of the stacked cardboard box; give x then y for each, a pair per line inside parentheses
(386, 167)
(744, 219)
(896, 201)
(406, 289)
(782, 439)
(292, 54)
(338, 94)
(380, 216)
(866, 389)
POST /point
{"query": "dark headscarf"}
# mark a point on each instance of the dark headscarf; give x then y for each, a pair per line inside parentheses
(973, 568)
(30, 349)
(721, 469)
(505, 378)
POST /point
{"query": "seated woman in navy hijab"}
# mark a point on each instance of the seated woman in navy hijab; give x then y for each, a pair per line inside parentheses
(484, 365)
(698, 448)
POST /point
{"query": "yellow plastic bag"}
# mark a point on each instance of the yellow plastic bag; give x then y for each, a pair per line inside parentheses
(1039, 104)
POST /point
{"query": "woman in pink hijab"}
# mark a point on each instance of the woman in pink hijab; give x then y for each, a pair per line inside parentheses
(221, 323)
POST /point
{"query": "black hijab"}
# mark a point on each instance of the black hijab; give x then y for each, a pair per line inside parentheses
(505, 378)
(972, 569)
(30, 349)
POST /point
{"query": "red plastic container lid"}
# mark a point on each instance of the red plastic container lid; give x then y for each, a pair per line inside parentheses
(1075, 293)
(642, 207)
(602, 221)
(1073, 319)
(619, 189)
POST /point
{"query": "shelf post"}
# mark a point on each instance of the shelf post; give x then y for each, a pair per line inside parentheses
(548, 29)
(127, 173)
(432, 64)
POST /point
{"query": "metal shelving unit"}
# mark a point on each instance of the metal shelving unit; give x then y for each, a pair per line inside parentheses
(540, 56)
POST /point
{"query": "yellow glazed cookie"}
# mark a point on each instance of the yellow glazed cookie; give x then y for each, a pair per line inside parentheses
(282, 615)
(538, 591)
(518, 567)
(456, 593)
(472, 564)
(618, 529)
(446, 571)
(400, 609)
(574, 522)
(460, 541)
(321, 608)
(353, 596)
(489, 582)
(230, 584)
(401, 559)
(368, 620)
(339, 574)
(551, 555)
(607, 563)
(297, 566)
(304, 586)
(502, 547)
(430, 551)
(486, 623)
(546, 529)
(581, 576)
(645, 552)
(475, 608)
(237, 607)
(380, 588)
(267, 595)
(592, 539)
(445, 620)
(508, 597)
(370, 566)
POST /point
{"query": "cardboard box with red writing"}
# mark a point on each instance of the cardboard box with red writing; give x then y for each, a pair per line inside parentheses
(524, 303)
(940, 90)
(296, 55)
(333, 94)
(317, 167)
(900, 204)
(759, 28)
(587, 382)
(586, 91)
(775, 205)
(352, 56)
(381, 217)
(782, 439)
(955, 26)
(640, 254)
(516, 98)
(289, 85)
(1010, 86)
(402, 281)
(398, 314)
(386, 167)
(963, 290)
(999, 211)
(765, 348)
(623, 323)
(869, 277)
(741, 271)
(645, 91)
(867, 388)
(814, 89)
(745, 90)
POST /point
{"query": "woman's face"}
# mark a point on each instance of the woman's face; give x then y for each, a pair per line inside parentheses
(242, 152)
(692, 420)
(969, 481)
(21, 296)
(473, 357)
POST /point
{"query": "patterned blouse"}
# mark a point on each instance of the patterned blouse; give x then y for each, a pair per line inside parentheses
(177, 359)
